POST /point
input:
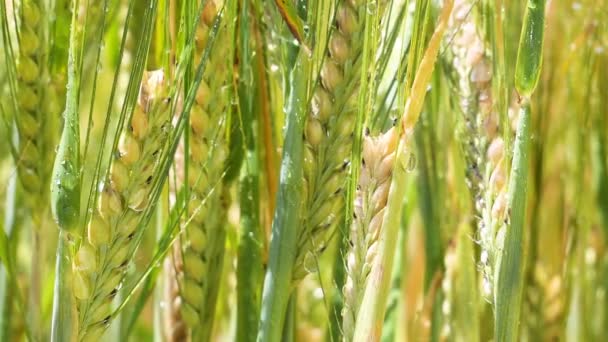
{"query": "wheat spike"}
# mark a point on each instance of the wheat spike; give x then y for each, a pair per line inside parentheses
(483, 148)
(39, 110)
(202, 242)
(101, 260)
(329, 133)
(378, 158)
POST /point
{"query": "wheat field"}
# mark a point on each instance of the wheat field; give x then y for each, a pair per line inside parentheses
(303, 170)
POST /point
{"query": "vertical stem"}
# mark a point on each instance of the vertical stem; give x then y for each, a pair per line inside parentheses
(7, 287)
(278, 279)
(511, 267)
(339, 277)
(63, 324)
(250, 269)
(289, 328)
(35, 276)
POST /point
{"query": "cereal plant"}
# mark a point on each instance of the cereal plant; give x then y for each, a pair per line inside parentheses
(298, 170)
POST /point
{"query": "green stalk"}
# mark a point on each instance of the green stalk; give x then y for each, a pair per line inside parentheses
(289, 329)
(65, 193)
(250, 269)
(7, 287)
(279, 275)
(510, 278)
(339, 277)
(510, 272)
(64, 322)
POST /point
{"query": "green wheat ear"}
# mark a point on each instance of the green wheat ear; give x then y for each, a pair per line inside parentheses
(202, 242)
(100, 262)
(328, 134)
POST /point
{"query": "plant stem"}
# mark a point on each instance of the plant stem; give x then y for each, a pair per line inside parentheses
(289, 328)
(278, 279)
(7, 287)
(511, 266)
(250, 269)
(63, 324)
(339, 277)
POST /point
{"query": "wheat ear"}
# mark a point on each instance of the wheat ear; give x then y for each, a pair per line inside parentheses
(101, 260)
(378, 158)
(38, 109)
(483, 148)
(329, 133)
(202, 241)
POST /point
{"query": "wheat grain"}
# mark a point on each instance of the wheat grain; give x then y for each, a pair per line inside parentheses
(101, 260)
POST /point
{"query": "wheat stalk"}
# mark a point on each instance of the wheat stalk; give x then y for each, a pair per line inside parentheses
(101, 260)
